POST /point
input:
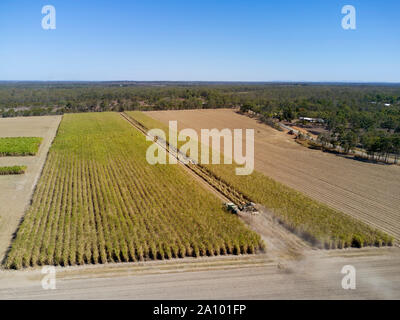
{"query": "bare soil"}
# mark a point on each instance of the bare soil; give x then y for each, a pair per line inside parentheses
(16, 190)
(367, 191)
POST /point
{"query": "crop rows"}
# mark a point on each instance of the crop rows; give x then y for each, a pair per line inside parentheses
(321, 225)
(98, 201)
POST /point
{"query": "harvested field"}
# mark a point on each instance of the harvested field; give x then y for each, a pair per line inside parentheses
(98, 201)
(366, 191)
(16, 190)
(12, 170)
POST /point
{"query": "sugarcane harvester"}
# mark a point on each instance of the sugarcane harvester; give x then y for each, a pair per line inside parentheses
(248, 207)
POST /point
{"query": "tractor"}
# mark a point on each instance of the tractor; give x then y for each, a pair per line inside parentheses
(231, 207)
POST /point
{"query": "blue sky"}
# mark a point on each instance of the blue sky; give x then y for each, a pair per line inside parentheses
(218, 40)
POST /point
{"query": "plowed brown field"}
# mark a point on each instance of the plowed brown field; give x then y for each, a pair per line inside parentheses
(369, 192)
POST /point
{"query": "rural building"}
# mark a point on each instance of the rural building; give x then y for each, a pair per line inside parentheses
(317, 120)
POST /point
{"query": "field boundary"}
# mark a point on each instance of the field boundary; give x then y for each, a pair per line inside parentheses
(20, 146)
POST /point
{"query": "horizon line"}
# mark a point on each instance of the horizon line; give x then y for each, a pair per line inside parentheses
(212, 81)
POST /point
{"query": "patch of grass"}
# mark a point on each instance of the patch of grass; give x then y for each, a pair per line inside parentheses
(318, 223)
(98, 200)
(12, 170)
(19, 146)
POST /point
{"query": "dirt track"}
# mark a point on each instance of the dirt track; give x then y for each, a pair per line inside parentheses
(16, 191)
(370, 192)
(318, 276)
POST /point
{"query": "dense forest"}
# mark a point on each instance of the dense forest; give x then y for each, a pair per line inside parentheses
(356, 115)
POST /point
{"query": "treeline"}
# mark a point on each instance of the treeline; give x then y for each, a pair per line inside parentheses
(364, 116)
